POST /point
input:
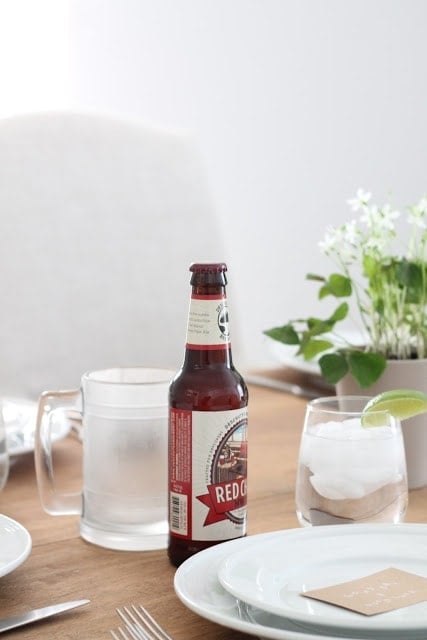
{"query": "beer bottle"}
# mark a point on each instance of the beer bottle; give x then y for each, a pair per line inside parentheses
(208, 402)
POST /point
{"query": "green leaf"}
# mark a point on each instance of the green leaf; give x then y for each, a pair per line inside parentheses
(410, 275)
(340, 313)
(340, 285)
(378, 304)
(370, 266)
(313, 276)
(323, 292)
(336, 285)
(333, 366)
(316, 326)
(285, 334)
(313, 347)
(366, 367)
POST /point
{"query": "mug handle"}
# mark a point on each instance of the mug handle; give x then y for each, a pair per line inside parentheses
(53, 502)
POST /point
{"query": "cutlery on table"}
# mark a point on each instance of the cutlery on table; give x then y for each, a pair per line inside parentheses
(140, 625)
(38, 614)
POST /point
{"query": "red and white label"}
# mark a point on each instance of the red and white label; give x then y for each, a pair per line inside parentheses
(208, 472)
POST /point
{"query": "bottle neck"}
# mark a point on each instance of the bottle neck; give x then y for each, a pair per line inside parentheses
(208, 337)
(197, 359)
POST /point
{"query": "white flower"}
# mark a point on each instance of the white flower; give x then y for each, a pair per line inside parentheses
(417, 221)
(362, 198)
(417, 214)
(350, 232)
(380, 220)
(330, 240)
(422, 205)
(386, 217)
(376, 243)
(369, 216)
(341, 241)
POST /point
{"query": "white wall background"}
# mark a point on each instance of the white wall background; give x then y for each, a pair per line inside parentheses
(295, 104)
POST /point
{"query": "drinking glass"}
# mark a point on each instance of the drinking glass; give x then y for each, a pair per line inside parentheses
(4, 457)
(124, 411)
(348, 472)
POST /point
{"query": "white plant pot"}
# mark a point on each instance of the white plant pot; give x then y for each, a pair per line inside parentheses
(401, 374)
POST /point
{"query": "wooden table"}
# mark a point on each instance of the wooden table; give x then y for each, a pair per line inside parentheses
(64, 567)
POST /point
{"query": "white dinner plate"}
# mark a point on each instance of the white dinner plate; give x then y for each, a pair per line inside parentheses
(273, 576)
(15, 544)
(197, 586)
(20, 420)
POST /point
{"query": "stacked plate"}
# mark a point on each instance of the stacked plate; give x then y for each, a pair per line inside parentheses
(15, 545)
(254, 584)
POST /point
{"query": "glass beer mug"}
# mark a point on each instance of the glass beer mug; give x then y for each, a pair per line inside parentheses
(124, 413)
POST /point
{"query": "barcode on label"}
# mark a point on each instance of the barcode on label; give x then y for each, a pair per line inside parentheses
(178, 514)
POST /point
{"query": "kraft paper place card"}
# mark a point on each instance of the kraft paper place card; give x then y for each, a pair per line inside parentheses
(383, 591)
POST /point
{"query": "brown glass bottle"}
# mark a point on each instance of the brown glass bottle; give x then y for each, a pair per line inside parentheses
(207, 427)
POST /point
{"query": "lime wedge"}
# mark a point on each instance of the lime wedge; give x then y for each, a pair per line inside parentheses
(400, 403)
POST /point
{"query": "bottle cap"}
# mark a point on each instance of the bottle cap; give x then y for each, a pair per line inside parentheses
(208, 267)
(208, 273)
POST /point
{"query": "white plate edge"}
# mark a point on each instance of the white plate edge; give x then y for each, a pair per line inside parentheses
(28, 543)
(228, 621)
(323, 532)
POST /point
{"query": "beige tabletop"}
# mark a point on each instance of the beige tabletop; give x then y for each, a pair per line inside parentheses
(64, 567)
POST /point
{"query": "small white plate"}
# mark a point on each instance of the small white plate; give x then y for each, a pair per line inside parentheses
(20, 420)
(15, 544)
(272, 577)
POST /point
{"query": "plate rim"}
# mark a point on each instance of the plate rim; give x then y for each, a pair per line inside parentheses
(367, 625)
(27, 544)
(208, 560)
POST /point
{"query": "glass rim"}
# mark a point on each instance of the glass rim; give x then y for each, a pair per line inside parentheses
(320, 405)
(116, 376)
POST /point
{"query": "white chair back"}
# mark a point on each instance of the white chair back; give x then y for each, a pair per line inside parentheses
(99, 220)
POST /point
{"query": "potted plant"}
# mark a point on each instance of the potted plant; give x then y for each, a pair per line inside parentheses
(380, 277)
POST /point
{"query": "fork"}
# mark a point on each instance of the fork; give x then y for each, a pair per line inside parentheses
(140, 625)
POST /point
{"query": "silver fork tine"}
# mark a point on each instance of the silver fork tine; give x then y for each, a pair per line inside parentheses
(148, 630)
(123, 634)
(127, 634)
(132, 625)
(151, 623)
